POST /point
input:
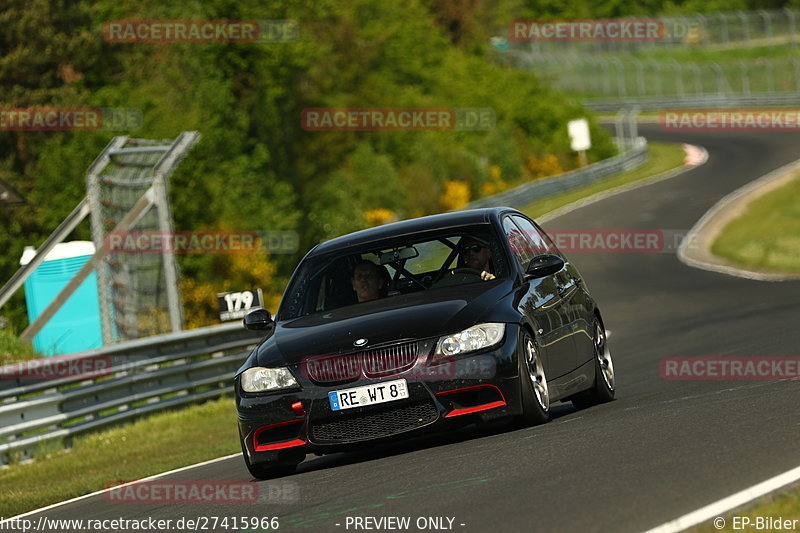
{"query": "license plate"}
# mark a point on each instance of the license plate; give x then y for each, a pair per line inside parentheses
(387, 391)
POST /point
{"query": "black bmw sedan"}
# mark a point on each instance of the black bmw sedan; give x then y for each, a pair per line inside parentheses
(419, 326)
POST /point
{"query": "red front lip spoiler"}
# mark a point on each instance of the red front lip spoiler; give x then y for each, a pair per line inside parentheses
(276, 445)
(477, 408)
(468, 410)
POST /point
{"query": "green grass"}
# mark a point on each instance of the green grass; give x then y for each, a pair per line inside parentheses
(767, 234)
(662, 157)
(719, 54)
(785, 505)
(13, 350)
(155, 444)
(178, 438)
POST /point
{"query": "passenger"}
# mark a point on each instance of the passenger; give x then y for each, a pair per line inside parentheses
(369, 281)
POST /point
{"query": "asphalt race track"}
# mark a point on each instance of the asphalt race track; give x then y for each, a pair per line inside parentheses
(662, 449)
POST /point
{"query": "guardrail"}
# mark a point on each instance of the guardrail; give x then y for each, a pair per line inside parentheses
(695, 101)
(526, 194)
(144, 375)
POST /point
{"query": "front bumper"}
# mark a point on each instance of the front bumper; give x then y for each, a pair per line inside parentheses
(282, 427)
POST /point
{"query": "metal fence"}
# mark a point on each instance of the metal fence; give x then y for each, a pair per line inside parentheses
(632, 77)
(668, 66)
(710, 31)
(145, 375)
(139, 293)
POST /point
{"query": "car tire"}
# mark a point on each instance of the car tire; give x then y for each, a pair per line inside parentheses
(535, 394)
(604, 387)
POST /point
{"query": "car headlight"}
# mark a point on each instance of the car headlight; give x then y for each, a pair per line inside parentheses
(471, 339)
(260, 379)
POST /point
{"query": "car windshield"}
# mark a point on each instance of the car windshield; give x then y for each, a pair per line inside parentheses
(395, 266)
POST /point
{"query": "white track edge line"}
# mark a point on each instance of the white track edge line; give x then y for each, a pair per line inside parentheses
(674, 172)
(154, 476)
(726, 504)
(700, 226)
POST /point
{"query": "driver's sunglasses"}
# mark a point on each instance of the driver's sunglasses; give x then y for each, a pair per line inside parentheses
(475, 248)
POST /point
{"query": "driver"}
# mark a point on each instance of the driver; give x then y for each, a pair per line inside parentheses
(475, 254)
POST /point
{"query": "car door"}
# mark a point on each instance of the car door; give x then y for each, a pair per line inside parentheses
(580, 304)
(576, 304)
(543, 303)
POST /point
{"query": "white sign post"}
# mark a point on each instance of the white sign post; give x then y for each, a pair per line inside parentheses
(579, 138)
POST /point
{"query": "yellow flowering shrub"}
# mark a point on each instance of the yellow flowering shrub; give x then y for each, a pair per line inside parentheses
(495, 183)
(455, 194)
(242, 271)
(380, 216)
(542, 167)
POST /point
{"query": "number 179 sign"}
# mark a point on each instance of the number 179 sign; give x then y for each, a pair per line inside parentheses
(234, 305)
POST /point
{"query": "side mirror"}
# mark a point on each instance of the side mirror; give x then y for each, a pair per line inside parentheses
(258, 319)
(543, 265)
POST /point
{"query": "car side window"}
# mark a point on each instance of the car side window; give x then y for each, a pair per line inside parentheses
(520, 246)
(538, 241)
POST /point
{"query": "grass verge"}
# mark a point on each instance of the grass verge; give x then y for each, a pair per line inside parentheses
(161, 442)
(662, 157)
(781, 505)
(767, 234)
(13, 350)
(174, 439)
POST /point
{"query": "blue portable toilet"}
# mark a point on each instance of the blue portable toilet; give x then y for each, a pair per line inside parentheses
(76, 326)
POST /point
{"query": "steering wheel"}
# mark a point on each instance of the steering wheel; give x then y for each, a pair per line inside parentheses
(467, 270)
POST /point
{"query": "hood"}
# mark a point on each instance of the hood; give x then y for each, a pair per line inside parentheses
(417, 315)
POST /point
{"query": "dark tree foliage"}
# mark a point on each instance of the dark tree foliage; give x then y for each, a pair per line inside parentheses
(256, 168)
